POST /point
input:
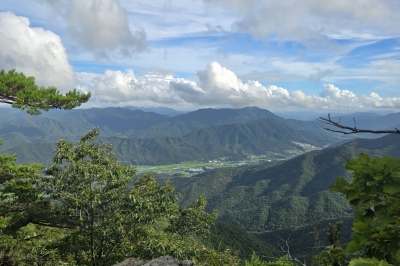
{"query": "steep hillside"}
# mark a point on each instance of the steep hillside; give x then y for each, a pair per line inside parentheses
(287, 199)
(287, 195)
(226, 236)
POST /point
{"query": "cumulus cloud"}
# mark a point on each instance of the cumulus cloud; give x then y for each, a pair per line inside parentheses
(100, 26)
(34, 51)
(305, 20)
(217, 86)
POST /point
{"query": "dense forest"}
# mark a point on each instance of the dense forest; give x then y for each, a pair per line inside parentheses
(87, 206)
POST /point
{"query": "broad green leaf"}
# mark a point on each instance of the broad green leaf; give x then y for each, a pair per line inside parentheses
(359, 226)
(355, 167)
(395, 174)
(353, 247)
(391, 188)
(368, 262)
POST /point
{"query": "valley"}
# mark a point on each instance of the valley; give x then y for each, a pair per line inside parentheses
(265, 175)
(199, 133)
(189, 169)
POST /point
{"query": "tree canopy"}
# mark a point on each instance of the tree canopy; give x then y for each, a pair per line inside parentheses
(22, 92)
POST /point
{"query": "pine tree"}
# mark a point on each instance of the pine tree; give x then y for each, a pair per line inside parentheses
(22, 92)
(22, 209)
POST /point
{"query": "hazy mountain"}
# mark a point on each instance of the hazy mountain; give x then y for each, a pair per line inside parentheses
(235, 141)
(122, 122)
(186, 123)
(74, 123)
(9, 114)
(158, 110)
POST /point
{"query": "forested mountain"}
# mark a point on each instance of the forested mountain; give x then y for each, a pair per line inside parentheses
(224, 235)
(286, 196)
(236, 141)
(122, 122)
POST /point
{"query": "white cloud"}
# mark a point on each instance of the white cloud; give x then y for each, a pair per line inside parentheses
(100, 26)
(217, 86)
(165, 19)
(34, 51)
(303, 20)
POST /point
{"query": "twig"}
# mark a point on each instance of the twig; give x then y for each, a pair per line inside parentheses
(287, 250)
(341, 155)
(353, 130)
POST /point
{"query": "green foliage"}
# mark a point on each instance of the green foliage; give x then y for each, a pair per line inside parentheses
(368, 262)
(255, 261)
(23, 93)
(206, 256)
(333, 232)
(89, 189)
(332, 255)
(19, 204)
(24, 211)
(375, 194)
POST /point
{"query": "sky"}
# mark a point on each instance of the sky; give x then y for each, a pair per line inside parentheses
(286, 55)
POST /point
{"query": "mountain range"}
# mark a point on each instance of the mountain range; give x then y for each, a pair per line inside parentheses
(148, 138)
(235, 141)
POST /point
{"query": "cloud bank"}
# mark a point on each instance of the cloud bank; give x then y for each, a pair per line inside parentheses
(305, 20)
(100, 26)
(217, 86)
(34, 51)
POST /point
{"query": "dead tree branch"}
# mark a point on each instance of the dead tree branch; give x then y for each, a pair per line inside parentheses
(284, 246)
(353, 130)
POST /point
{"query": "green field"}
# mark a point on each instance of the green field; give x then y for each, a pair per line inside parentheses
(188, 169)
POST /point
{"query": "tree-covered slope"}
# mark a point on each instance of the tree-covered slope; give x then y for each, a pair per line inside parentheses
(287, 195)
(226, 236)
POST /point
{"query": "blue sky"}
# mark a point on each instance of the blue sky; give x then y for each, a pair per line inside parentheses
(287, 55)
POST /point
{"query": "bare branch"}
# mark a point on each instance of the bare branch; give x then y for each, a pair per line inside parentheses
(287, 250)
(353, 130)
